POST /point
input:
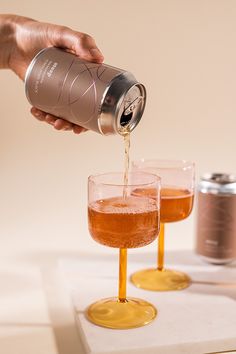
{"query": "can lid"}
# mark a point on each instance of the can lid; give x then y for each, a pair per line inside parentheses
(221, 178)
(218, 183)
(123, 105)
(132, 108)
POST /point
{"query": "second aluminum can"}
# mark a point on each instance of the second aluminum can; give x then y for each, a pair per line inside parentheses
(216, 218)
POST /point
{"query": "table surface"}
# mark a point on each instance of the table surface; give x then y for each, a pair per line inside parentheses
(199, 319)
(36, 312)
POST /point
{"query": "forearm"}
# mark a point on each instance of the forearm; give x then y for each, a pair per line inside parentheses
(7, 39)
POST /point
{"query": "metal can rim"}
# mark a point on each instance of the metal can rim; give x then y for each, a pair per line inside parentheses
(219, 177)
(215, 188)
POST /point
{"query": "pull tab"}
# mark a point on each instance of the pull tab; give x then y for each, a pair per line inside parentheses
(133, 105)
(129, 111)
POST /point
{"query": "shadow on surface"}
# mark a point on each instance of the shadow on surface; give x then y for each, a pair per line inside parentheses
(66, 334)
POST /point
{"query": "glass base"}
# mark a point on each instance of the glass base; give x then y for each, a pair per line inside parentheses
(160, 280)
(112, 313)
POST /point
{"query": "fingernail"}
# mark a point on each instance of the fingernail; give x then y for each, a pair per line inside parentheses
(37, 113)
(49, 119)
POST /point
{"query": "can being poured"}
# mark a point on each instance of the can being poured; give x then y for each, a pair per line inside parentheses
(95, 96)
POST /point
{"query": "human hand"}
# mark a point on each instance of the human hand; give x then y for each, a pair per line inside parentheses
(22, 38)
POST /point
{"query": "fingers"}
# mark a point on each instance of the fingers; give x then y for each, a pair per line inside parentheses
(79, 43)
(87, 48)
(77, 129)
(57, 123)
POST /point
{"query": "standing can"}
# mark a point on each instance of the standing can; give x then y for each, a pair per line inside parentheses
(216, 218)
(95, 96)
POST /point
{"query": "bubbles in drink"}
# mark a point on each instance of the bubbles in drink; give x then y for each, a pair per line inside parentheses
(124, 223)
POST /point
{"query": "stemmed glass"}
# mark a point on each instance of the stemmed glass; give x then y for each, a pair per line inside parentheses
(119, 219)
(177, 194)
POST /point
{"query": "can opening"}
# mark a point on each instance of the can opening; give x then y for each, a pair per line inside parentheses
(125, 119)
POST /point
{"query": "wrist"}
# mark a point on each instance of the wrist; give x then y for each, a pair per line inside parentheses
(10, 27)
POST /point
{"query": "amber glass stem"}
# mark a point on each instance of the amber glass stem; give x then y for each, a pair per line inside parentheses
(122, 274)
(161, 244)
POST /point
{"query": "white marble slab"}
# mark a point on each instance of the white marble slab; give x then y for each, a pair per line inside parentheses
(200, 319)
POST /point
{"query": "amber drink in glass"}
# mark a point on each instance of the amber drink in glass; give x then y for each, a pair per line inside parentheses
(117, 218)
(177, 195)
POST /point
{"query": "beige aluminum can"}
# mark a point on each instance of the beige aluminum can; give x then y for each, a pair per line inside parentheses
(95, 96)
(216, 218)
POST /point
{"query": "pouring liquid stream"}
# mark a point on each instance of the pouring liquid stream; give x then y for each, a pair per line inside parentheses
(126, 171)
(123, 251)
